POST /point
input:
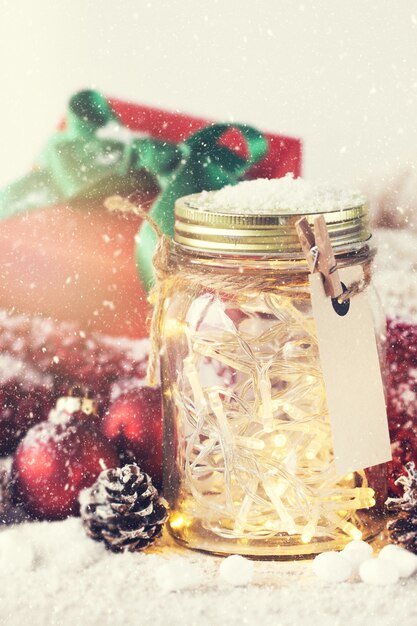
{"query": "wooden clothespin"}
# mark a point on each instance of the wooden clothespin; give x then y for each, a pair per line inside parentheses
(319, 253)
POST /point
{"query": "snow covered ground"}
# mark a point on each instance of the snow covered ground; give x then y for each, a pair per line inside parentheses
(53, 574)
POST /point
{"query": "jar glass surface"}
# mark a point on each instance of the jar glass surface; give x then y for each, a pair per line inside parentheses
(249, 465)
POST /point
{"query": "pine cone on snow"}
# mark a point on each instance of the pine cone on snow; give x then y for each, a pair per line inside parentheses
(403, 529)
(123, 509)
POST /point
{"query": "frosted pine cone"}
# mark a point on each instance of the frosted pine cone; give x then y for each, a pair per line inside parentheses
(123, 509)
(403, 531)
(408, 502)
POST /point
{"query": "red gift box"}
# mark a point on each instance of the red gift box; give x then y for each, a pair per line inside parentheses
(284, 153)
(76, 262)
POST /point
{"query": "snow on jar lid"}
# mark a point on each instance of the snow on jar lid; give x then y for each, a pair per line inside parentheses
(258, 217)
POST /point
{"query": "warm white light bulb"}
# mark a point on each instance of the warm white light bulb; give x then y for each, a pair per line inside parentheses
(280, 441)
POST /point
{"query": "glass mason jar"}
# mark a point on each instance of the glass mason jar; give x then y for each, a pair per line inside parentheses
(248, 451)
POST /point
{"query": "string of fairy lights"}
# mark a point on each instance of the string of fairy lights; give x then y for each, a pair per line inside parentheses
(256, 444)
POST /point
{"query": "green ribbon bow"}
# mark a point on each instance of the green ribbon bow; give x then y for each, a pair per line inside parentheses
(87, 161)
(205, 164)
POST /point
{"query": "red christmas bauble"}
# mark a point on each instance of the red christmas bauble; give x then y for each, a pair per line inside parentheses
(54, 462)
(134, 423)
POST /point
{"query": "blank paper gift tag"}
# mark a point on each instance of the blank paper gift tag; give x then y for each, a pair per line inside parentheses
(352, 378)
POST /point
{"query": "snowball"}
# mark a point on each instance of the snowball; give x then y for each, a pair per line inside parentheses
(15, 550)
(378, 572)
(332, 567)
(236, 570)
(177, 574)
(356, 552)
(403, 560)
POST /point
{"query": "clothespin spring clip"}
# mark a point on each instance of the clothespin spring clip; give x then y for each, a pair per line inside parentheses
(315, 254)
(319, 253)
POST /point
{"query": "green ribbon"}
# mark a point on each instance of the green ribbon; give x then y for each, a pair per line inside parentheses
(82, 162)
(78, 163)
(205, 164)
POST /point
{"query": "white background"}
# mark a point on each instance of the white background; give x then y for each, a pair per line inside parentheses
(341, 74)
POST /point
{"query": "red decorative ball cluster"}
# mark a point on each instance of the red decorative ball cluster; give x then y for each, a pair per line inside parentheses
(65, 454)
(401, 397)
(40, 360)
(62, 450)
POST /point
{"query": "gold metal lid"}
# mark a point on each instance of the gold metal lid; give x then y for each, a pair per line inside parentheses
(262, 233)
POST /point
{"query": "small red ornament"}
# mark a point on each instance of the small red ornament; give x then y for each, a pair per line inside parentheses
(134, 423)
(55, 461)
